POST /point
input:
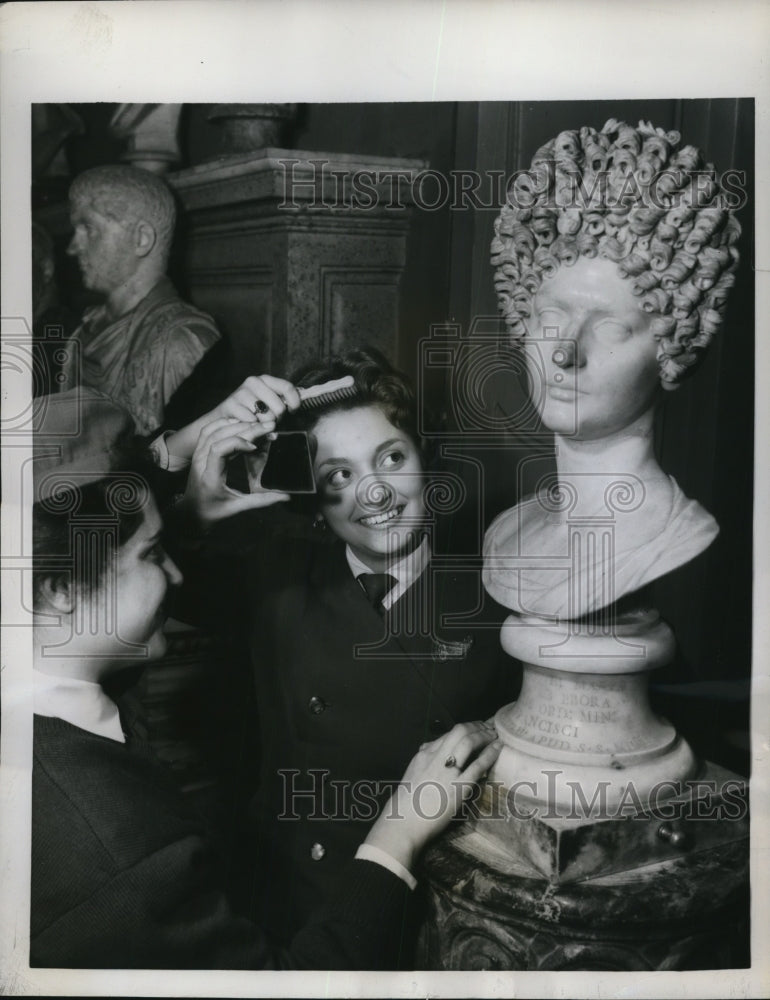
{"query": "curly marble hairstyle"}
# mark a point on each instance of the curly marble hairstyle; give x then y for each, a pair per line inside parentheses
(129, 195)
(638, 198)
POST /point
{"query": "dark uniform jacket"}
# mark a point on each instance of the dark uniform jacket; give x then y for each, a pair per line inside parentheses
(123, 875)
(345, 695)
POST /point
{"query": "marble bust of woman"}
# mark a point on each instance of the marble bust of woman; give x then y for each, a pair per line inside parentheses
(614, 255)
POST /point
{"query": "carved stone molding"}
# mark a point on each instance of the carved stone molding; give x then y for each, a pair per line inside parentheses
(291, 258)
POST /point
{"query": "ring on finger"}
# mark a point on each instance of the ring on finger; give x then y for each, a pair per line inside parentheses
(451, 761)
(260, 408)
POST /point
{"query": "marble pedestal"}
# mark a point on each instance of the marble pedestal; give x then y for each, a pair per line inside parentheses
(583, 722)
(599, 841)
(486, 912)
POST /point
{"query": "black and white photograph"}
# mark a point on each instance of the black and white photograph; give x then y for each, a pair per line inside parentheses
(383, 568)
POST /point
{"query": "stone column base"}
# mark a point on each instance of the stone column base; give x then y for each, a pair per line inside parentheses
(687, 913)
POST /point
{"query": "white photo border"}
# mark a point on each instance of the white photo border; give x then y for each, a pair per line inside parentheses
(300, 50)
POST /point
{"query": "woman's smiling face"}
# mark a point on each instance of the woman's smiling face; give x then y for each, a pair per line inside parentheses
(370, 483)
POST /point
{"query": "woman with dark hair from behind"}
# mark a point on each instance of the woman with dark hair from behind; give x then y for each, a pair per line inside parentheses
(123, 875)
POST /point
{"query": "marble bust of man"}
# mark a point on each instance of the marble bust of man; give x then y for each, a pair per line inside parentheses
(614, 256)
(143, 341)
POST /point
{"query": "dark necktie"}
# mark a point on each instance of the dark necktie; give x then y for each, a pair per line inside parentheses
(376, 586)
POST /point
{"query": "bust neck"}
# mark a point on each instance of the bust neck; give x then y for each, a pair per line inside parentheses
(627, 453)
(129, 293)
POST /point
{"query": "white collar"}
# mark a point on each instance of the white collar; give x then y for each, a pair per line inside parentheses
(79, 702)
(406, 570)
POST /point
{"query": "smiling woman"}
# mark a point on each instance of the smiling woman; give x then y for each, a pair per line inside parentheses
(356, 658)
(370, 484)
(367, 459)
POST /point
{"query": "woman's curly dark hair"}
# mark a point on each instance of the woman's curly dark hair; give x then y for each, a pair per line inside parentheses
(376, 382)
(638, 198)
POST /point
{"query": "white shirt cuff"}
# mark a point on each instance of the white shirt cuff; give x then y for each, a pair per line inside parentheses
(368, 853)
(162, 457)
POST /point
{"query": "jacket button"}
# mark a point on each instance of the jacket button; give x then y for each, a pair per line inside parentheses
(317, 851)
(316, 705)
(437, 727)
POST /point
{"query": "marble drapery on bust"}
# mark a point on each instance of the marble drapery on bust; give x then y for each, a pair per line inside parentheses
(530, 565)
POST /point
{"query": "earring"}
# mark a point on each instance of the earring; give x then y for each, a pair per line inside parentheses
(319, 522)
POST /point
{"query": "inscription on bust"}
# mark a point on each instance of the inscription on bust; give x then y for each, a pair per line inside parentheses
(560, 711)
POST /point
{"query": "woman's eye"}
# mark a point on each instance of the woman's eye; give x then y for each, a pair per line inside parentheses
(156, 554)
(392, 459)
(338, 478)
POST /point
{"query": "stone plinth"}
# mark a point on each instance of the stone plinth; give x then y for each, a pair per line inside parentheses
(588, 837)
(487, 912)
(599, 841)
(297, 253)
(583, 718)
